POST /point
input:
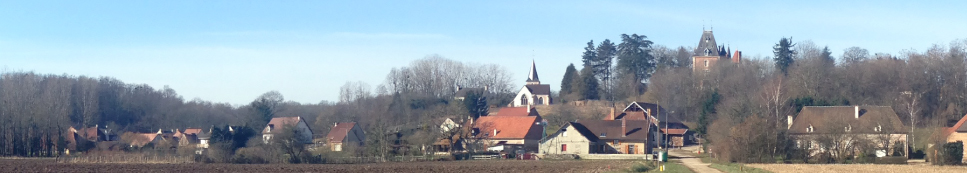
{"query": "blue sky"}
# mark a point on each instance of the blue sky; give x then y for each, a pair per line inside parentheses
(233, 51)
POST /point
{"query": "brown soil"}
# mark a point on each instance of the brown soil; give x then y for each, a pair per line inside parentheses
(49, 165)
(856, 168)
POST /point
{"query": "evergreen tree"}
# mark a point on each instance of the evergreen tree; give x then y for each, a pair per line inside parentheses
(590, 89)
(784, 53)
(590, 55)
(569, 75)
(827, 57)
(476, 104)
(634, 55)
(605, 56)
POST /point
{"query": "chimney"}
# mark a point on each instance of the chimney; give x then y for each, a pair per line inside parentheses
(335, 124)
(528, 108)
(471, 119)
(485, 87)
(612, 113)
(495, 132)
(789, 120)
(856, 113)
(159, 131)
(624, 132)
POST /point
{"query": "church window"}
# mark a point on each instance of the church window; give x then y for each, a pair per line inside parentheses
(523, 100)
(706, 63)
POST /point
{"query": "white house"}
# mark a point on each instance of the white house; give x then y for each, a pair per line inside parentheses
(276, 125)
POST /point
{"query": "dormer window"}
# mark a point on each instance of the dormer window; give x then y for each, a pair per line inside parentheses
(878, 128)
(848, 128)
(604, 135)
(707, 52)
(810, 129)
(271, 126)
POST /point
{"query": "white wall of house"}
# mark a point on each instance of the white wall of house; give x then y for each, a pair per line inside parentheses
(566, 141)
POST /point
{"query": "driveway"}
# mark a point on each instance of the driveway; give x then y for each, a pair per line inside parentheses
(690, 161)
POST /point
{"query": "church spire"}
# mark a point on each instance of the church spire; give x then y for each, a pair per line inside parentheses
(532, 77)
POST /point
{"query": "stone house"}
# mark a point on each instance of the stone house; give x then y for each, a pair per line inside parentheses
(344, 134)
(958, 133)
(854, 127)
(602, 137)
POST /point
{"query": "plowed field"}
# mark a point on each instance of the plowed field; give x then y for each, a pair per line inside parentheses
(49, 165)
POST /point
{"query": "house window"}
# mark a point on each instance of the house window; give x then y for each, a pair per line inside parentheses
(540, 100)
(615, 142)
(563, 147)
(271, 126)
(631, 149)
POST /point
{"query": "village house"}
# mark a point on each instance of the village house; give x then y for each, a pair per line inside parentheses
(462, 93)
(279, 124)
(958, 133)
(533, 92)
(672, 130)
(188, 137)
(90, 135)
(344, 134)
(846, 126)
(144, 139)
(602, 137)
(509, 134)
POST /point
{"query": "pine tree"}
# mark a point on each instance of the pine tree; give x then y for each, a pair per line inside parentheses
(590, 89)
(634, 55)
(569, 74)
(827, 57)
(784, 53)
(605, 56)
(590, 55)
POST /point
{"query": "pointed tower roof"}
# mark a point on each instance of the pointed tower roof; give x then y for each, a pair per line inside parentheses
(532, 77)
(707, 44)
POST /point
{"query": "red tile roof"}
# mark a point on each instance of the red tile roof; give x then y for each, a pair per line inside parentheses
(192, 131)
(338, 133)
(516, 111)
(508, 127)
(279, 122)
(959, 127)
(143, 139)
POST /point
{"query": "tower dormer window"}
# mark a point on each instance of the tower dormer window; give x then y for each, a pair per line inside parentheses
(708, 52)
(809, 129)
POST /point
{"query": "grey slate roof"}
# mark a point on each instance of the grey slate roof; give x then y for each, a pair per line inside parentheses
(532, 77)
(635, 130)
(542, 89)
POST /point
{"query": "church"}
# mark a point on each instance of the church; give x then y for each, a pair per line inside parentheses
(533, 92)
(708, 53)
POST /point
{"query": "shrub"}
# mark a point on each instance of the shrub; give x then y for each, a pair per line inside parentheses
(953, 153)
(642, 167)
(892, 160)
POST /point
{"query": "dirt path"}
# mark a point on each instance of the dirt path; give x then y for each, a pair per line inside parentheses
(690, 161)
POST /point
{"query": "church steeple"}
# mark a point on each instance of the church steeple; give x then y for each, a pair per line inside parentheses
(532, 77)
